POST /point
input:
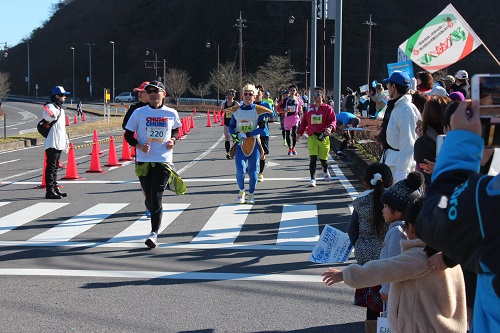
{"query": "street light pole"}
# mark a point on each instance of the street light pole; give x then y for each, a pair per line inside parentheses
(207, 44)
(90, 68)
(113, 93)
(73, 92)
(370, 24)
(240, 25)
(28, 76)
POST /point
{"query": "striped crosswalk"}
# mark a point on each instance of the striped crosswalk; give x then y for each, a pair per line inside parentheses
(298, 227)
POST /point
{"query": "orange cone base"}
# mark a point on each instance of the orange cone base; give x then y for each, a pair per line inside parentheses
(72, 178)
(95, 171)
(113, 165)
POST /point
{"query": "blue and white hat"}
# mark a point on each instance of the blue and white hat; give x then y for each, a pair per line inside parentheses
(59, 90)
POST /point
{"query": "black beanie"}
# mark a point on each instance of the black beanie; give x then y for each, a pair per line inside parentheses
(400, 194)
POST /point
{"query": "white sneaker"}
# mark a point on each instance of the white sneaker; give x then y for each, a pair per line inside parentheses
(151, 241)
(312, 183)
(250, 198)
(327, 176)
(241, 197)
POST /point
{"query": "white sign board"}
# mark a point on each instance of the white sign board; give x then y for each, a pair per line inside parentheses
(333, 246)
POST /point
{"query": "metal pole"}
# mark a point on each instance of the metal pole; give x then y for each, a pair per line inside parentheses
(370, 24)
(218, 72)
(29, 78)
(314, 43)
(113, 43)
(338, 58)
(240, 26)
(307, 54)
(90, 69)
(156, 65)
(324, 44)
(73, 92)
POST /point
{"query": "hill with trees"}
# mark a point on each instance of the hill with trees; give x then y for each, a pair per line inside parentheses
(177, 31)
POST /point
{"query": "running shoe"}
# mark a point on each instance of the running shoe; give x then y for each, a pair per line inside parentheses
(260, 178)
(327, 176)
(250, 198)
(241, 198)
(228, 156)
(312, 183)
(290, 152)
(151, 241)
(148, 213)
(284, 142)
(294, 151)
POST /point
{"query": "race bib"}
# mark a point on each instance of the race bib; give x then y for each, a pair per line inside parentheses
(157, 134)
(245, 127)
(292, 108)
(317, 119)
(228, 114)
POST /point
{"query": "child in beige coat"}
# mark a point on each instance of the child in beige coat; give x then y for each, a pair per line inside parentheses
(420, 299)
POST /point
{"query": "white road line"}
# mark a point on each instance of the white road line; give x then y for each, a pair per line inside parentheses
(136, 231)
(3, 203)
(199, 158)
(183, 246)
(9, 161)
(207, 276)
(344, 181)
(299, 225)
(17, 219)
(78, 224)
(224, 225)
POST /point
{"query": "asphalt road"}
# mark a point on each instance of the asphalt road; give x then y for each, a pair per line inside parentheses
(80, 264)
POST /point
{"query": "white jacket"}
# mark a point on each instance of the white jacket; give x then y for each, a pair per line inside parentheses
(57, 138)
(401, 135)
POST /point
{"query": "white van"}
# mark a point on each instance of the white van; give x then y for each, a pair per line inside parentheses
(125, 97)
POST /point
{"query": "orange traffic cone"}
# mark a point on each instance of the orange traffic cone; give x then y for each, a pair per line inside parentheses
(194, 111)
(83, 116)
(180, 135)
(209, 122)
(75, 120)
(95, 141)
(95, 162)
(112, 159)
(60, 165)
(187, 121)
(72, 171)
(192, 122)
(67, 120)
(125, 151)
(44, 184)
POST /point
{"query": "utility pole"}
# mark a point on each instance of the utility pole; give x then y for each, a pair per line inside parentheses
(323, 10)
(240, 25)
(370, 24)
(90, 68)
(164, 71)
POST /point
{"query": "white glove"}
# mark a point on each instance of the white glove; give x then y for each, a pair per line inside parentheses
(242, 136)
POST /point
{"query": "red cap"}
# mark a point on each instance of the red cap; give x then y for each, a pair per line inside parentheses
(141, 87)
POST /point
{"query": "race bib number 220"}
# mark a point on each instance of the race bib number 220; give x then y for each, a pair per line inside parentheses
(156, 134)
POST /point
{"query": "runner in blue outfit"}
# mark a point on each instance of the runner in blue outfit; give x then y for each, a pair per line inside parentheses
(247, 125)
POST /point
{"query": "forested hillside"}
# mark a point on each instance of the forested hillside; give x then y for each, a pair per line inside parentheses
(177, 30)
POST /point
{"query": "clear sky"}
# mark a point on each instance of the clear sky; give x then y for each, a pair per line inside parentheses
(19, 18)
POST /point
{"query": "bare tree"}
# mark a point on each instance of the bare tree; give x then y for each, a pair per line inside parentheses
(177, 82)
(4, 85)
(201, 90)
(276, 74)
(226, 78)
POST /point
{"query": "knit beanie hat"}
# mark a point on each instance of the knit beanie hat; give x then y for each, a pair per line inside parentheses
(400, 194)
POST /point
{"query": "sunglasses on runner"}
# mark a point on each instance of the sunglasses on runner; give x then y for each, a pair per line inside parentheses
(247, 94)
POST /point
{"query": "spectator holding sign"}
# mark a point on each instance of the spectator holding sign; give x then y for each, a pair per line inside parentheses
(421, 299)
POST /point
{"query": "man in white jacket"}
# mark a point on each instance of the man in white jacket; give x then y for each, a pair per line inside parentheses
(56, 141)
(398, 133)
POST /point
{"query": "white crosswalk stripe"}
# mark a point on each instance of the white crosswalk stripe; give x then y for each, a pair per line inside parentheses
(299, 225)
(224, 225)
(135, 232)
(23, 216)
(298, 228)
(82, 222)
